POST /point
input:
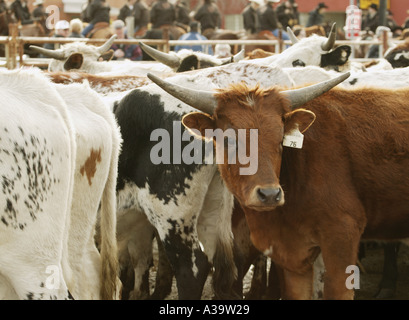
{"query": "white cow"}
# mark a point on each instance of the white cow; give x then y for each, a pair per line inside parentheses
(55, 176)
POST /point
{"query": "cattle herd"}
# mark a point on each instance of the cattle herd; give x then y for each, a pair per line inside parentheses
(298, 157)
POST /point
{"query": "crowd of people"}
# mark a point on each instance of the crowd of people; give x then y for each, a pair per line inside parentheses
(272, 16)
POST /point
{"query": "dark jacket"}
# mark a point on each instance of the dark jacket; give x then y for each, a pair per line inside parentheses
(250, 19)
(267, 18)
(315, 18)
(287, 16)
(141, 14)
(124, 12)
(162, 13)
(39, 12)
(182, 14)
(370, 23)
(21, 13)
(209, 16)
(98, 12)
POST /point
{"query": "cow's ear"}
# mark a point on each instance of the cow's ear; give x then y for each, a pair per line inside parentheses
(337, 57)
(300, 118)
(74, 61)
(197, 123)
(106, 56)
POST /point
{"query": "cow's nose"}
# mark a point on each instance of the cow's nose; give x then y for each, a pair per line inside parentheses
(269, 195)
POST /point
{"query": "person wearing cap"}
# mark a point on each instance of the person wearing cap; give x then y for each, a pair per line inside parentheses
(21, 12)
(316, 16)
(61, 30)
(124, 51)
(371, 20)
(97, 11)
(194, 34)
(250, 16)
(208, 15)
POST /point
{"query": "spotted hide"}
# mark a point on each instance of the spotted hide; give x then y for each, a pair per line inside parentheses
(37, 154)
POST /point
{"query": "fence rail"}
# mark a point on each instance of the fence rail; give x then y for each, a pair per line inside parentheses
(14, 45)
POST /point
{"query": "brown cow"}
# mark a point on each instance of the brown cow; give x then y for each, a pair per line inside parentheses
(349, 180)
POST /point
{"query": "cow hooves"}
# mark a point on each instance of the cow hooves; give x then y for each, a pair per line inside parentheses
(385, 293)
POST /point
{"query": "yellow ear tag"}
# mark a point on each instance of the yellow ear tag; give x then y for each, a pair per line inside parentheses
(293, 139)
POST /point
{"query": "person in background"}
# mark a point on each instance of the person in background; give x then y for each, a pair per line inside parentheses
(162, 14)
(268, 20)
(371, 20)
(316, 16)
(250, 17)
(98, 11)
(39, 12)
(406, 23)
(194, 34)
(142, 17)
(208, 15)
(126, 10)
(21, 12)
(76, 27)
(61, 30)
(287, 13)
(124, 51)
(3, 6)
(182, 14)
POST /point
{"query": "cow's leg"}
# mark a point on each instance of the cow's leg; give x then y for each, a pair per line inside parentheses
(164, 275)
(387, 286)
(297, 286)
(259, 279)
(340, 251)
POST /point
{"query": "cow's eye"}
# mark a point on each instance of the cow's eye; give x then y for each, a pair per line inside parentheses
(298, 63)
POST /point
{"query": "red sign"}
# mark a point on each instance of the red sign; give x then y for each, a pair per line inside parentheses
(353, 22)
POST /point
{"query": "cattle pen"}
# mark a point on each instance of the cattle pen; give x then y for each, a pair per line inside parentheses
(15, 57)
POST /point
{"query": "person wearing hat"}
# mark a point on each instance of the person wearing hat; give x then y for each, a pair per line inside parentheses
(61, 30)
(371, 20)
(194, 34)
(124, 51)
(316, 16)
(267, 17)
(250, 16)
(208, 15)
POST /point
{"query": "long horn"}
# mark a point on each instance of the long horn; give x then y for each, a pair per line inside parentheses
(236, 58)
(298, 97)
(327, 45)
(292, 36)
(167, 59)
(198, 99)
(107, 45)
(56, 54)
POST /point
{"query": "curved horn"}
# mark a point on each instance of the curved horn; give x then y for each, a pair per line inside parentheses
(298, 97)
(56, 54)
(167, 59)
(198, 99)
(292, 36)
(107, 45)
(236, 58)
(327, 45)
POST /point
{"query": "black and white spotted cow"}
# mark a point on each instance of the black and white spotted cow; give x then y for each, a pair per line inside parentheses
(59, 163)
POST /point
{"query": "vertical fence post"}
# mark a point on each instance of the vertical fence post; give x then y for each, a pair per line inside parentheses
(12, 46)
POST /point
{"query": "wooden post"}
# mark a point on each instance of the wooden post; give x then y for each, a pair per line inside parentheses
(384, 46)
(165, 36)
(12, 46)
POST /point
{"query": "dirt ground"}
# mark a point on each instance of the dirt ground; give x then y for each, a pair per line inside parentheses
(370, 276)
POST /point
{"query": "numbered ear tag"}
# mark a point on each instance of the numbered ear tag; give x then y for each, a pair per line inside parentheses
(293, 139)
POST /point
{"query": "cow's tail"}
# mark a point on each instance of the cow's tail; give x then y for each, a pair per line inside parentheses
(109, 252)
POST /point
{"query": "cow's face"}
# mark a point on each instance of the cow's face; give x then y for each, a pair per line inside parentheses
(254, 122)
(77, 56)
(249, 119)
